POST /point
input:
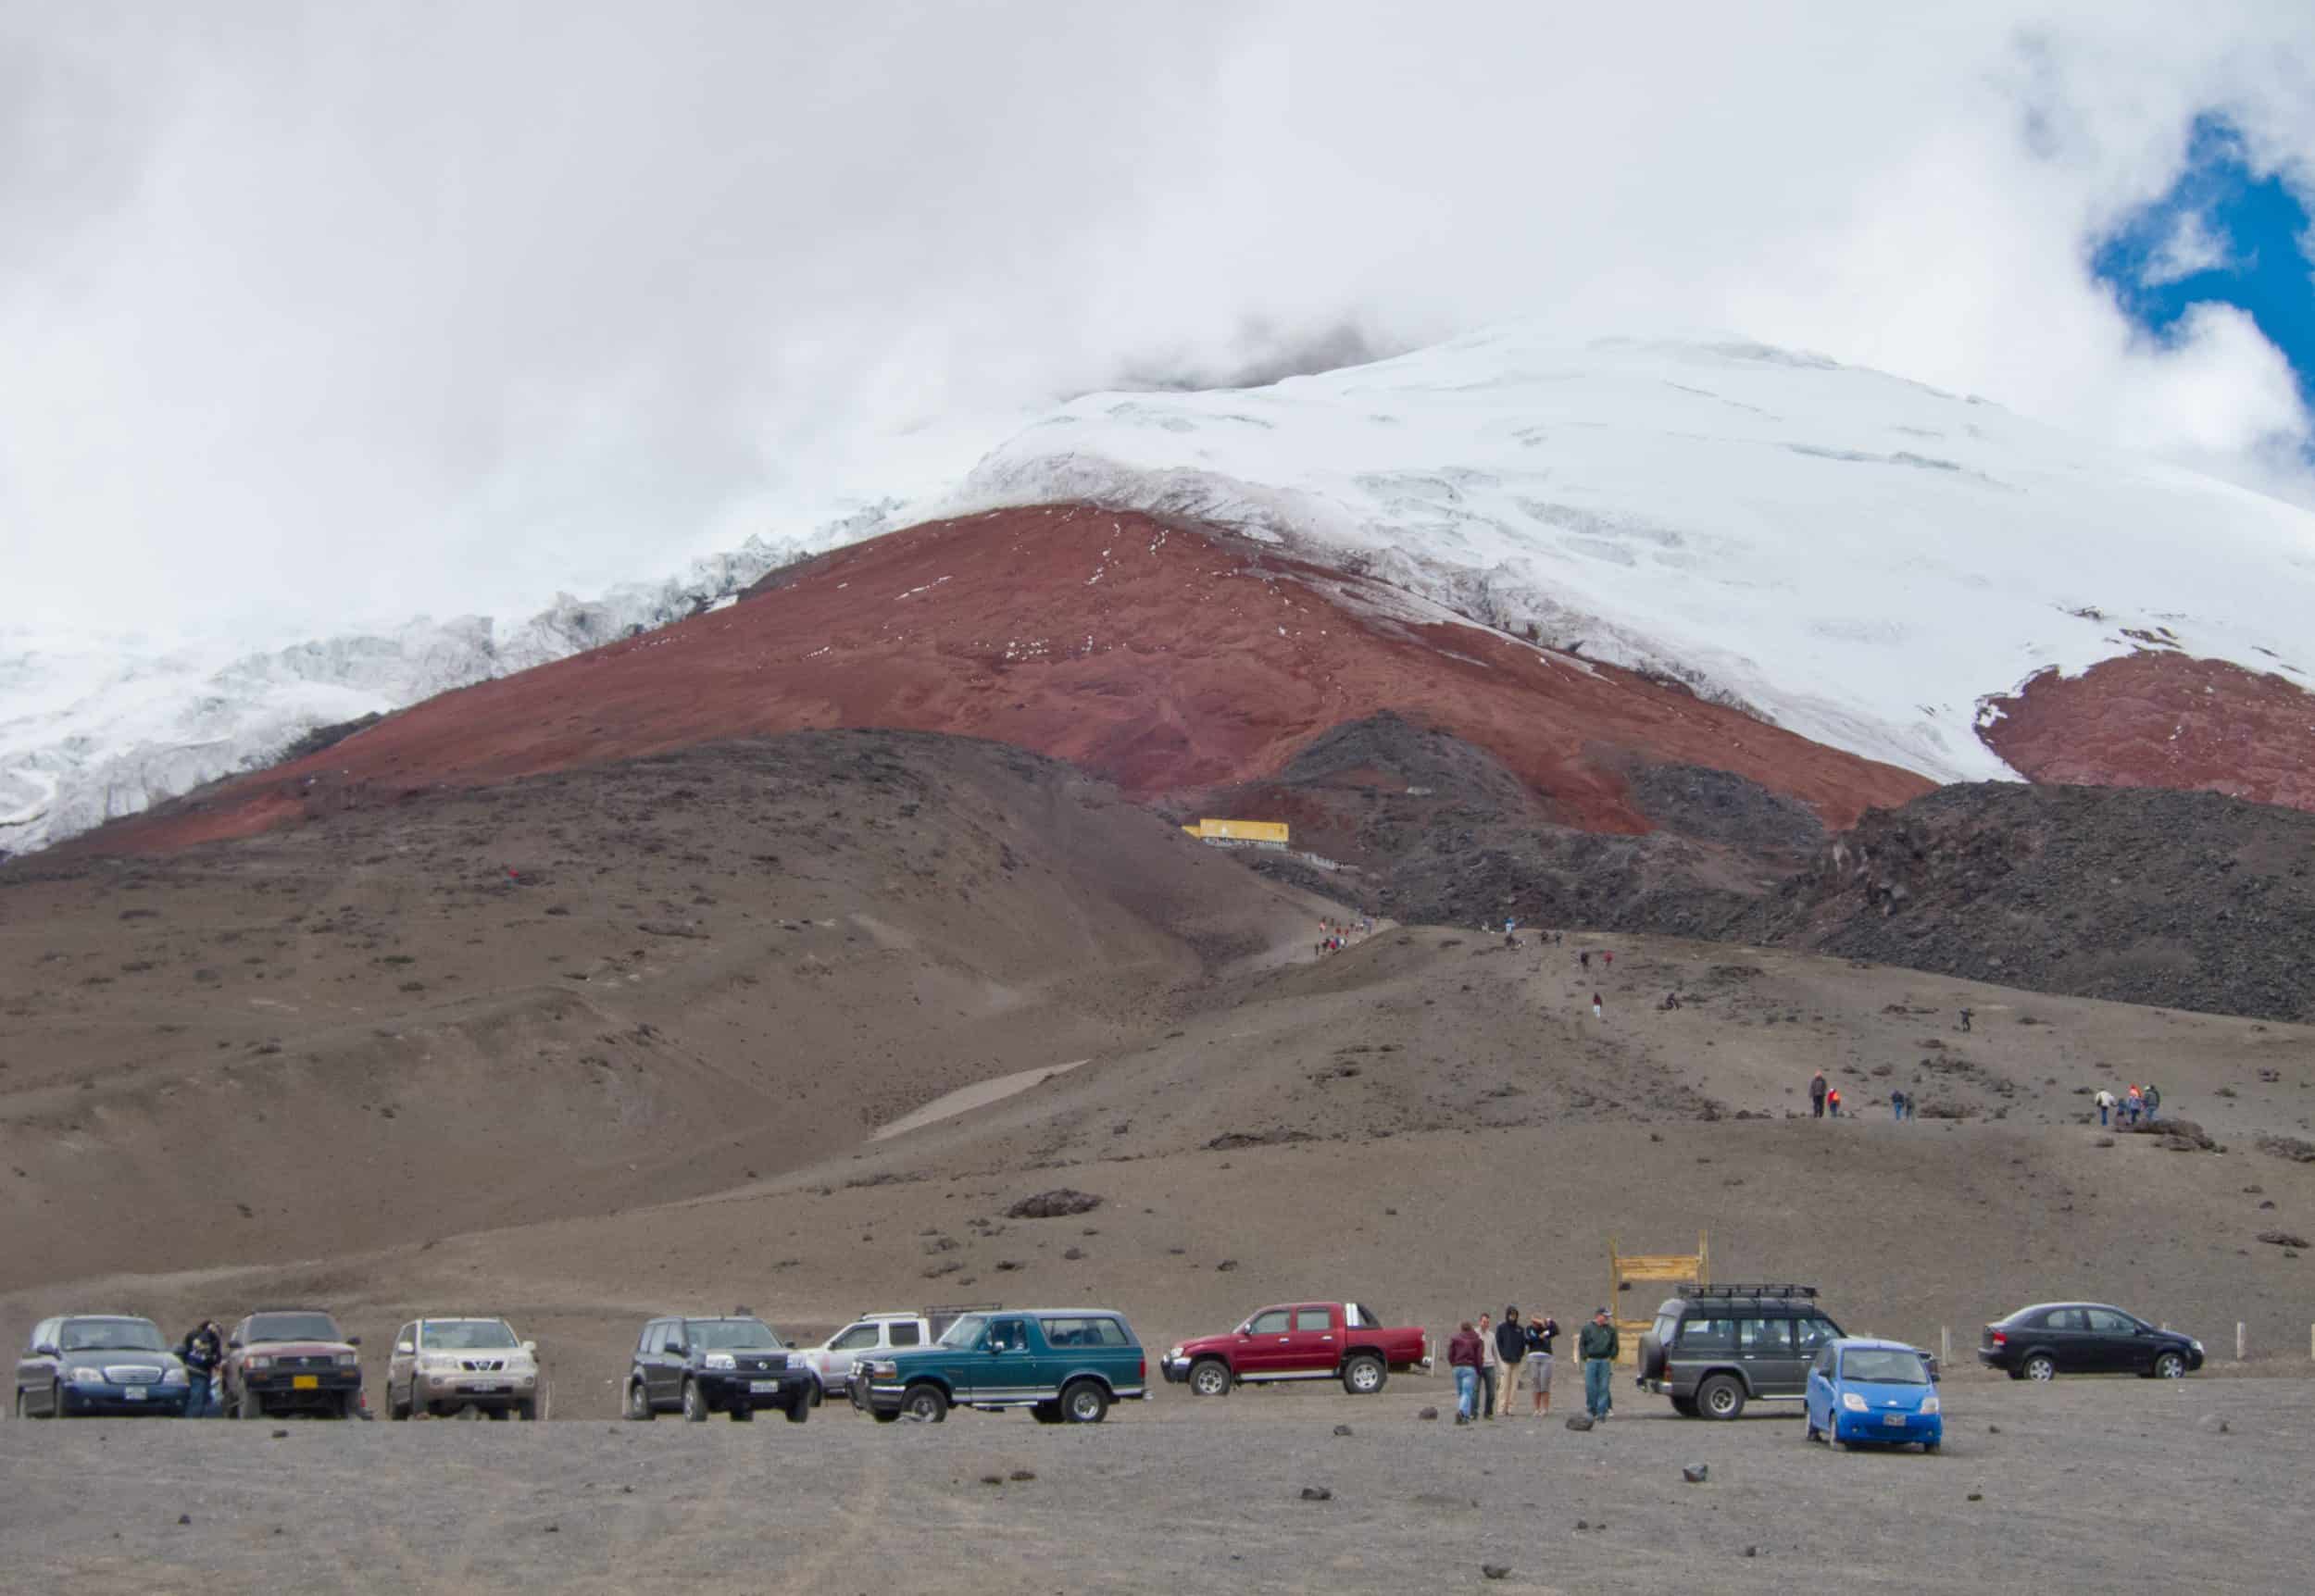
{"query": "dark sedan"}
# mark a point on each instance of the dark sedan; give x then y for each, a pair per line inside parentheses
(2052, 1338)
(92, 1364)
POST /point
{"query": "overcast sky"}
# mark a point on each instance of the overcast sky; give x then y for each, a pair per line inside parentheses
(338, 311)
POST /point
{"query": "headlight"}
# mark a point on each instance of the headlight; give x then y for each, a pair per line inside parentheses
(1930, 1404)
(722, 1361)
(530, 1380)
(1172, 1354)
(175, 1377)
(438, 1366)
(347, 1360)
(1852, 1402)
(877, 1369)
(85, 1377)
(256, 1361)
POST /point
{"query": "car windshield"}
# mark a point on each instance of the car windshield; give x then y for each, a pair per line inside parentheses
(966, 1331)
(465, 1335)
(292, 1328)
(110, 1335)
(1884, 1366)
(729, 1335)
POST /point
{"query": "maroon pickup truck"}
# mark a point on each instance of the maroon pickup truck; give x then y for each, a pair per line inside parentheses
(1347, 1342)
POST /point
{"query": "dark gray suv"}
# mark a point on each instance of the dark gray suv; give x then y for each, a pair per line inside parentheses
(732, 1364)
(1714, 1349)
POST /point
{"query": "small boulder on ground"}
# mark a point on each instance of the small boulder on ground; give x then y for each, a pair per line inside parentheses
(1316, 1493)
(1054, 1205)
(1427, 1413)
(1579, 1422)
(2283, 1238)
(1697, 1473)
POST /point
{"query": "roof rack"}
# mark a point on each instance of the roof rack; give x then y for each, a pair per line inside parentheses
(1760, 1291)
(938, 1308)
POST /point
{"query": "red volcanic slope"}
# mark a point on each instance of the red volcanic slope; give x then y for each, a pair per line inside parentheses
(1167, 660)
(2161, 719)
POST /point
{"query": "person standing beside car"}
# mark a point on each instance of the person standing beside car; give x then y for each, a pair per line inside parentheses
(1599, 1346)
(1463, 1357)
(202, 1350)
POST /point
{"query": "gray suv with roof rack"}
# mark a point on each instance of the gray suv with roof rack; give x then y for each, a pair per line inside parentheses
(1714, 1349)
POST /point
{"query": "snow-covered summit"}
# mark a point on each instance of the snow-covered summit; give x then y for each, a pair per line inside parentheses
(1856, 557)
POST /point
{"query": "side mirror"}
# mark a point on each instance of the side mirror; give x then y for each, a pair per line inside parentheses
(47, 1350)
(530, 1347)
(404, 1348)
(232, 1346)
(677, 1350)
(353, 1340)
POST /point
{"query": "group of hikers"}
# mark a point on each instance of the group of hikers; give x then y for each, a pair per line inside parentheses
(1824, 1100)
(1490, 1360)
(2135, 1106)
(1335, 935)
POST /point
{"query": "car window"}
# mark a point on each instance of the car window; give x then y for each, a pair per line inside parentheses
(1084, 1333)
(467, 1336)
(1814, 1331)
(1007, 1335)
(1359, 1313)
(966, 1331)
(2066, 1319)
(1273, 1323)
(43, 1334)
(1765, 1338)
(1884, 1365)
(729, 1335)
(1708, 1335)
(654, 1339)
(906, 1333)
(1313, 1319)
(292, 1328)
(2107, 1322)
(854, 1339)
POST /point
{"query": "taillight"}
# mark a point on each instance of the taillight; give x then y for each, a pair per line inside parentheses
(2001, 1337)
(1145, 1368)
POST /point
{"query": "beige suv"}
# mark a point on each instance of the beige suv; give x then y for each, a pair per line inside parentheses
(441, 1366)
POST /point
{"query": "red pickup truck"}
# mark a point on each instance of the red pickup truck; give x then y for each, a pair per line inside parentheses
(1347, 1342)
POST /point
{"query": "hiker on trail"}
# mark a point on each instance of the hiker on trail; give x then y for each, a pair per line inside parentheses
(1897, 1105)
(1584, 958)
(1490, 1367)
(1832, 1103)
(2152, 1097)
(1540, 1333)
(1816, 1096)
(1463, 1358)
(1965, 1018)
(1609, 955)
(202, 1350)
(1672, 1001)
(1511, 1350)
(2134, 1104)
(1598, 1013)
(2105, 1101)
(1599, 1346)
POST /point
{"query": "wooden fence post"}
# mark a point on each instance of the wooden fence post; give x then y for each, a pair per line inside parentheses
(2242, 1340)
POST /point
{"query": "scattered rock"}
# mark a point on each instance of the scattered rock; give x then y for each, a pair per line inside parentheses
(1342, 1430)
(1977, 1496)
(552, 1530)
(1023, 1475)
(185, 1518)
(1227, 1265)
(1580, 1421)
(1054, 1205)
(2103, 1141)
(1075, 1254)
(1697, 1473)
(1428, 1413)
(1316, 1493)
(2212, 1424)
(1993, 1430)
(993, 1479)
(2284, 1238)
(1752, 1552)
(1496, 1570)
(281, 1435)
(2292, 1147)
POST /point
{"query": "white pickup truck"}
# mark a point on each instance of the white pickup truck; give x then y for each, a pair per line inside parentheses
(872, 1335)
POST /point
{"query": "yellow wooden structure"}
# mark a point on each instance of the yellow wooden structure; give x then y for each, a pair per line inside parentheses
(1273, 832)
(1671, 1269)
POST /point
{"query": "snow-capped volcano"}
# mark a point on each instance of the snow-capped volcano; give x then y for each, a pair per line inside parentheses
(1865, 561)
(1854, 556)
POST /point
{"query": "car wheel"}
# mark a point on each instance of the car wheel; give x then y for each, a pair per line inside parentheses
(2015, 1374)
(800, 1406)
(2040, 1366)
(694, 1403)
(1085, 1402)
(883, 1418)
(399, 1411)
(527, 1412)
(925, 1403)
(251, 1405)
(1814, 1433)
(1046, 1411)
(742, 1413)
(1210, 1377)
(2170, 1367)
(1722, 1396)
(1364, 1375)
(1929, 1447)
(638, 1402)
(1686, 1406)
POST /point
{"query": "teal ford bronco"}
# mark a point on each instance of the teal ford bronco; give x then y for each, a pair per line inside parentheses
(1066, 1366)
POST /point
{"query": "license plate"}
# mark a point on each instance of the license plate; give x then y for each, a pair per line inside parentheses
(132, 1394)
(1895, 1418)
(487, 1391)
(305, 1382)
(761, 1386)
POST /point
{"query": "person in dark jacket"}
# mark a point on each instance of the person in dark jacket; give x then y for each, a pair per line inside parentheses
(1816, 1094)
(202, 1350)
(1540, 1333)
(1512, 1349)
(1599, 1346)
(1464, 1356)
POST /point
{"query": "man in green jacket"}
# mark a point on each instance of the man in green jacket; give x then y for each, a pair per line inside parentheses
(1597, 1346)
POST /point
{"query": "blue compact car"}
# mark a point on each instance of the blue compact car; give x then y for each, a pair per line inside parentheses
(1879, 1393)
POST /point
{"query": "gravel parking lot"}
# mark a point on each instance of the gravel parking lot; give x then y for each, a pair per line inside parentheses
(2090, 1484)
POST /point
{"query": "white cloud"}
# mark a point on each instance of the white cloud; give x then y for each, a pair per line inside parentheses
(2189, 247)
(374, 307)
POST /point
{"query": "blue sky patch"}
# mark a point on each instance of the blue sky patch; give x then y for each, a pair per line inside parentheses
(2225, 234)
